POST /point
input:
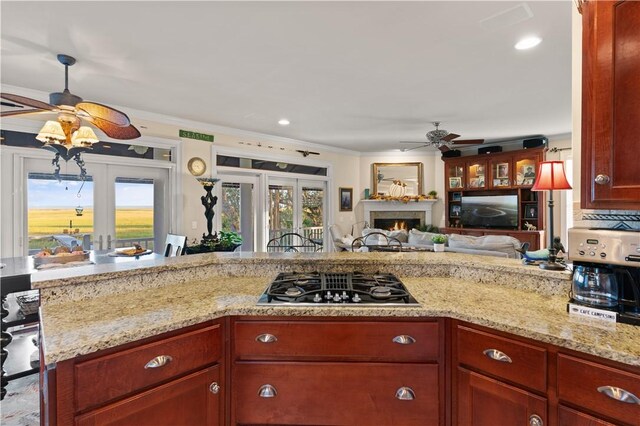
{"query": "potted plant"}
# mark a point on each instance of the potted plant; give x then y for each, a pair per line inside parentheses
(432, 195)
(438, 242)
(221, 241)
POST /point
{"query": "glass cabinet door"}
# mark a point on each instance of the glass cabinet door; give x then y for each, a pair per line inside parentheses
(525, 169)
(455, 175)
(476, 175)
(501, 172)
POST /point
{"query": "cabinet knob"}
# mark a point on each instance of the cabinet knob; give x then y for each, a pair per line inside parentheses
(405, 394)
(266, 338)
(602, 179)
(497, 355)
(619, 394)
(158, 361)
(404, 339)
(535, 420)
(214, 387)
(267, 391)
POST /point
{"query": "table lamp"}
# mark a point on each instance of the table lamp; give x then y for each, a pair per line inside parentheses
(551, 177)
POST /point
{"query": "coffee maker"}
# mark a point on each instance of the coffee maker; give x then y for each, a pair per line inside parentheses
(606, 271)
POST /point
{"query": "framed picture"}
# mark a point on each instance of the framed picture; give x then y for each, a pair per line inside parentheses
(477, 182)
(346, 199)
(480, 170)
(454, 210)
(502, 170)
(531, 211)
(455, 182)
(528, 171)
(527, 181)
(456, 196)
(386, 174)
(501, 182)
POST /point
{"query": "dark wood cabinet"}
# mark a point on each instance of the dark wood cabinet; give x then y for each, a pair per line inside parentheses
(570, 417)
(190, 400)
(335, 371)
(610, 105)
(483, 401)
(504, 173)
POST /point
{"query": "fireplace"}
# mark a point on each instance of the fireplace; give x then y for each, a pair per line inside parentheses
(412, 213)
(395, 224)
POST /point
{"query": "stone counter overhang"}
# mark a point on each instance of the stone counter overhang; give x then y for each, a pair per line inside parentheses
(99, 309)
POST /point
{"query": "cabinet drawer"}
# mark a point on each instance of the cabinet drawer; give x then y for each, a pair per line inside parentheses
(185, 401)
(570, 417)
(373, 341)
(115, 375)
(509, 359)
(335, 393)
(578, 383)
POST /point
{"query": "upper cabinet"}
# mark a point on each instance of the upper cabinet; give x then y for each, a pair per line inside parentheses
(610, 105)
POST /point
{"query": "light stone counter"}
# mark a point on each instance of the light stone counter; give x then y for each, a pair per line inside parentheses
(75, 326)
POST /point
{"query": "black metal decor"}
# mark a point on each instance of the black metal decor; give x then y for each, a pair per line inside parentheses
(209, 201)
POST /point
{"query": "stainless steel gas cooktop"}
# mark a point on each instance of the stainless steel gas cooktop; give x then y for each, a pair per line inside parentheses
(353, 288)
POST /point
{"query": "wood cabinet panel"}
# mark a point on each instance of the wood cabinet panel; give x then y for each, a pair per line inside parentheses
(324, 340)
(483, 401)
(578, 383)
(324, 393)
(570, 417)
(610, 104)
(105, 378)
(526, 364)
(186, 401)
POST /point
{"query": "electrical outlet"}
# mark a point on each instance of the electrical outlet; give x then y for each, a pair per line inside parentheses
(194, 225)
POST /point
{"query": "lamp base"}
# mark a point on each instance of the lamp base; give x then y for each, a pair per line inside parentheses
(552, 266)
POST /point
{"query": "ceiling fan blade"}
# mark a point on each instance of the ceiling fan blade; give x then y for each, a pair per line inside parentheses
(423, 142)
(444, 148)
(468, 142)
(104, 113)
(415, 147)
(28, 101)
(23, 112)
(450, 137)
(114, 131)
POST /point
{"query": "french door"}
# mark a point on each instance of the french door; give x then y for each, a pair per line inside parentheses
(297, 205)
(116, 206)
(237, 208)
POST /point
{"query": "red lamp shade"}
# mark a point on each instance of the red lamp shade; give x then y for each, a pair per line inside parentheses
(551, 176)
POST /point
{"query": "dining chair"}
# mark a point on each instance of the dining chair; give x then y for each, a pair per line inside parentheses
(174, 245)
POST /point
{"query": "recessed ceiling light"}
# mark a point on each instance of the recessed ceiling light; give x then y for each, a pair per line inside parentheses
(284, 122)
(528, 43)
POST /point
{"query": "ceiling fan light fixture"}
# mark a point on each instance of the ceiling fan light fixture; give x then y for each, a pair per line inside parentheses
(84, 136)
(52, 132)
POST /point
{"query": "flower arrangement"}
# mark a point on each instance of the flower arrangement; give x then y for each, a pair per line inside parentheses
(439, 239)
(404, 198)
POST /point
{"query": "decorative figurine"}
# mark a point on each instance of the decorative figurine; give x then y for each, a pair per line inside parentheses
(533, 257)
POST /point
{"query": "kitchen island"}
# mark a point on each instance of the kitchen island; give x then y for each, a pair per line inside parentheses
(109, 311)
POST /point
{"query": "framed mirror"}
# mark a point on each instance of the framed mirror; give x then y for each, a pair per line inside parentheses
(408, 174)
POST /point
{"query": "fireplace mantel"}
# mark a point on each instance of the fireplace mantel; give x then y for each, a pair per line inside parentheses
(425, 206)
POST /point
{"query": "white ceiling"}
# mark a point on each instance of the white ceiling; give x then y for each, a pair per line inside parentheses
(356, 75)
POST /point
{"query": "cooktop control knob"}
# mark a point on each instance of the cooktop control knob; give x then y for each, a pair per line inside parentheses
(356, 298)
(337, 298)
(317, 298)
(328, 296)
(344, 296)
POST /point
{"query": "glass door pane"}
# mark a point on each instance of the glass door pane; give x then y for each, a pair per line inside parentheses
(134, 203)
(237, 210)
(59, 213)
(313, 202)
(281, 208)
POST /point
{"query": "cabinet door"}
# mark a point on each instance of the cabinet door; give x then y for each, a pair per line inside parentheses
(486, 402)
(610, 105)
(570, 417)
(525, 168)
(500, 172)
(190, 400)
(476, 173)
(454, 172)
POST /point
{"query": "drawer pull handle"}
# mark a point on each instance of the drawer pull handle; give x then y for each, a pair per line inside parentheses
(619, 394)
(535, 420)
(404, 339)
(158, 361)
(214, 387)
(405, 394)
(266, 338)
(267, 391)
(497, 355)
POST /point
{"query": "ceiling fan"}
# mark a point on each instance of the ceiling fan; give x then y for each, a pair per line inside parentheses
(441, 139)
(71, 110)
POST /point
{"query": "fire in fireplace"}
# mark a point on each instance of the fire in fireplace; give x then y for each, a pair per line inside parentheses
(396, 224)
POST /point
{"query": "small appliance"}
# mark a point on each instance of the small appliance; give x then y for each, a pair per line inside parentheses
(606, 273)
(352, 288)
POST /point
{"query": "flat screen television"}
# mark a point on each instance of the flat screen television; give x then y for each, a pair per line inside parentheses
(489, 211)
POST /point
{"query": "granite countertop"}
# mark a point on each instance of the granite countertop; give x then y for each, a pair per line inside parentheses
(76, 327)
